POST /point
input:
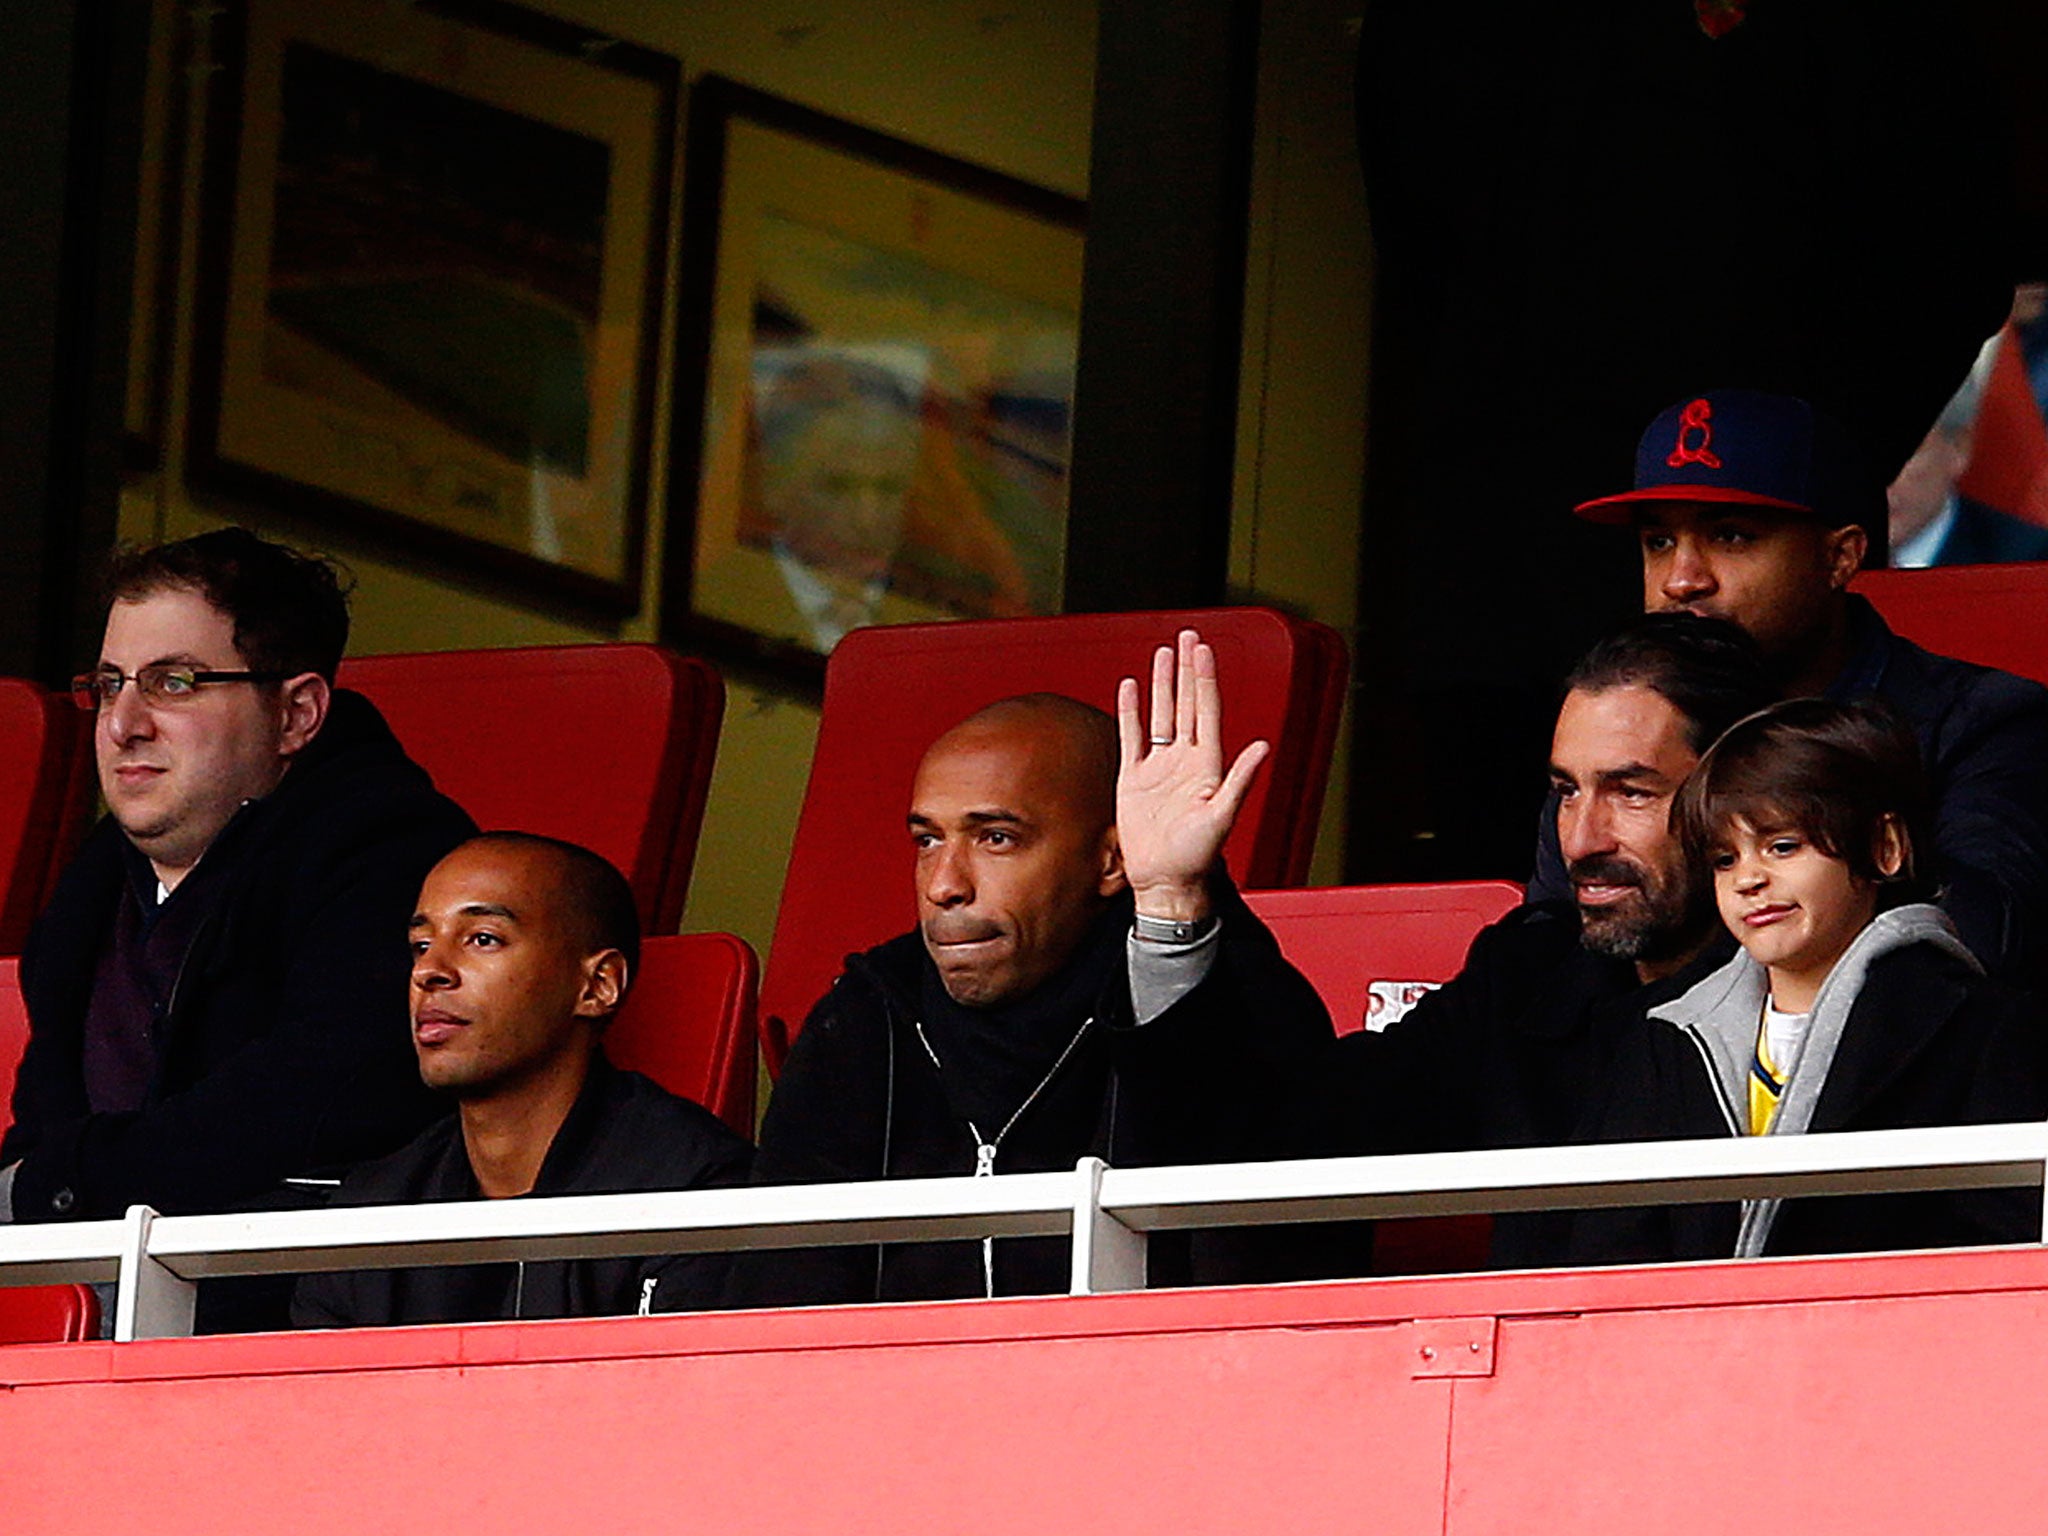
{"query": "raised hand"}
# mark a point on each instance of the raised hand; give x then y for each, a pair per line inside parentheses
(1174, 802)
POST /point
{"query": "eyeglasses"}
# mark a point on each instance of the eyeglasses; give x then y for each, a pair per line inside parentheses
(158, 683)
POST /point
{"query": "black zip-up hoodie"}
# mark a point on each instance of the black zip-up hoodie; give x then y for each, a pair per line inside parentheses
(887, 1074)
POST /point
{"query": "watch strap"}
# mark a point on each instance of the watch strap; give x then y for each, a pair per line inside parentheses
(1166, 930)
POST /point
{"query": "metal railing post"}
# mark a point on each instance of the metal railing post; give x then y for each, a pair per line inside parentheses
(1108, 1256)
(150, 1302)
(2044, 1181)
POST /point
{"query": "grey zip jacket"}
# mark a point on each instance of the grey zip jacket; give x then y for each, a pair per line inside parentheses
(1722, 1013)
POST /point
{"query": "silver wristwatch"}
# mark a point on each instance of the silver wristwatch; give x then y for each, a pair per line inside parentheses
(1165, 930)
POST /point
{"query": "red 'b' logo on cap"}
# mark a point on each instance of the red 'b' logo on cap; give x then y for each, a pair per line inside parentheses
(1695, 437)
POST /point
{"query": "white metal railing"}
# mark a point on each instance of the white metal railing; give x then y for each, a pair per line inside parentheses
(157, 1260)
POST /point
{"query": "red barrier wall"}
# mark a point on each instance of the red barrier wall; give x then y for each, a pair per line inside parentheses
(1807, 1396)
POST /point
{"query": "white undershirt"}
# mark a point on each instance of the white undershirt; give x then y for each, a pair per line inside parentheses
(1784, 1034)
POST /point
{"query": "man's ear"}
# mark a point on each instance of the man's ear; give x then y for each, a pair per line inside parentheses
(1892, 850)
(302, 702)
(1111, 879)
(1846, 547)
(604, 985)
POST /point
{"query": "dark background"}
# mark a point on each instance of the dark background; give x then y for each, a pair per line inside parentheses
(1581, 213)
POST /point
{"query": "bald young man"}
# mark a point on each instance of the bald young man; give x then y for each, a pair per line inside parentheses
(1082, 980)
(523, 948)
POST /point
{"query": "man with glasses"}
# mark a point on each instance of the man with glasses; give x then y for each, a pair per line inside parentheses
(217, 990)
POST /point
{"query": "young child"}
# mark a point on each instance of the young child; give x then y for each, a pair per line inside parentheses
(1852, 1005)
(1806, 816)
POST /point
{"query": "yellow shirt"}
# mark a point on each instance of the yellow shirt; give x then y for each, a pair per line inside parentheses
(1766, 1084)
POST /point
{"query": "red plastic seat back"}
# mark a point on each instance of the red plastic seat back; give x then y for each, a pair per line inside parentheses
(45, 793)
(688, 1022)
(34, 1314)
(610, 746)
(1994, 615)
(81, 796)
(13, 1035)
(1344, 938)
(48, 1314)
(891, 691)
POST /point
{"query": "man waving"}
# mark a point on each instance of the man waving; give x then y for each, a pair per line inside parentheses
(1082, 979)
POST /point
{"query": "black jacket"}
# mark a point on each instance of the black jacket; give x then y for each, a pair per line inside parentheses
(284, 1047)
(1215, 1078)
(1499, 1056)
(1539, 1043)
(1983, 737)
(1927, 1042)
(1512, 1052)
(624, 1133)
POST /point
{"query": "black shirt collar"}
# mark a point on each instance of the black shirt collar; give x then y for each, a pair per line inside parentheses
(991, 1058)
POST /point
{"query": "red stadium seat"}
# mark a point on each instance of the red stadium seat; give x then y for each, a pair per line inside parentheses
(45, 794)
(34, 1314)
(890, 691)
(81, 799)
(48, 1314)
(1994, 615)
(688, 1022)
(1344, 939)
(13, 1035)
(610, 746)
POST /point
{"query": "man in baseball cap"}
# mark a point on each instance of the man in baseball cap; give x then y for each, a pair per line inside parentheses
(1753, 507)
(1757, 508)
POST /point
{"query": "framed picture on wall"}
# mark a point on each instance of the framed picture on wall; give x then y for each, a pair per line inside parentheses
(876, 379)
(434, 251)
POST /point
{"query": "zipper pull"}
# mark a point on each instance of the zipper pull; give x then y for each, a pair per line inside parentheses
(985, 1167)
(647, 1294)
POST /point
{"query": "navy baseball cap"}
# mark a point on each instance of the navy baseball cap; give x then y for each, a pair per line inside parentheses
(1746, 448)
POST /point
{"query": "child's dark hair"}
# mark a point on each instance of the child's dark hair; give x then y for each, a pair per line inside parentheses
(1831, 772)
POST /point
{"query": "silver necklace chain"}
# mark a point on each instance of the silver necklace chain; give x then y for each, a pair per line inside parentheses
(985, 1147)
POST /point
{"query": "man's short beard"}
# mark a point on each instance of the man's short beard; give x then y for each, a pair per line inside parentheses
(1640, 932)
(1658, 921)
